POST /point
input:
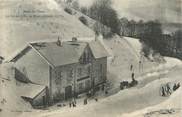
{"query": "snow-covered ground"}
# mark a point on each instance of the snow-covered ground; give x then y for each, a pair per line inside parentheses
(174, 104)
(124, 52)
(135, 43)
(23, 21)
(134, 102)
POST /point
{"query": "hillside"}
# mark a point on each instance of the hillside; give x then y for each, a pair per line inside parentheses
(26, 21)
(23, 21)
(124, 52)
(134, 102)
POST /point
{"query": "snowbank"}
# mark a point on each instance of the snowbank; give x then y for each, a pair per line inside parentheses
(135, 44)
(174, 102)
(170, 62)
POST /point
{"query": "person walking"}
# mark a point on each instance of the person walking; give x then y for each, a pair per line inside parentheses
(133, 75)
(163, 91)
(131, 67)
(70, 104)
(141, 61)
(85, 101)
(74, 105)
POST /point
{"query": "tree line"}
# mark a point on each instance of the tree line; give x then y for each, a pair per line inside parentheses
(101, 11)
(149, 32)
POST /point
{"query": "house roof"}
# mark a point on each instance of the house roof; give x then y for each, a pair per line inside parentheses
(31, 90)
(98, 49)
(19, 54)
(69, 52)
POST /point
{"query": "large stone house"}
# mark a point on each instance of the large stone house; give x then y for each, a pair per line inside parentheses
(55, 71)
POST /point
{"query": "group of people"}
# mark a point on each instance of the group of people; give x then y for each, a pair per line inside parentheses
(167, 89)
(85, 101)
(72, 103)
(176, 86)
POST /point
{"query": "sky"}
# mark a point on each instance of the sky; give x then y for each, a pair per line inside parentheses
(163, 10)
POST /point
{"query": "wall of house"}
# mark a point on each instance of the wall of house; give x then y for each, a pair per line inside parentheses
(99, 70)
(83, 78)
(33, 67)
(60, 79)
(78, 75)
(83, 73)
(38, 101)
(80, 81)
(69, 75)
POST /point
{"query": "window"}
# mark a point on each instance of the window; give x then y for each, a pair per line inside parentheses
(87, 84)
(80, 86)
(85, 57)
(101, 72)
(70, 73)
(100, 68)
(89, 69)
(79, 71)
(59, 75)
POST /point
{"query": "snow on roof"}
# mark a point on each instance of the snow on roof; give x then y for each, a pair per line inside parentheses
(31, 90)
(18, 54)
(98, 49)
(69, 52)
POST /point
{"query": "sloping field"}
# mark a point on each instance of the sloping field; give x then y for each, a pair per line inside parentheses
(124, 53)
(23, 21)
(134, 102)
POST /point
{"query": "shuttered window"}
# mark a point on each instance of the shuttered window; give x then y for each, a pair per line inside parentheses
(80, 86)
(87, 84)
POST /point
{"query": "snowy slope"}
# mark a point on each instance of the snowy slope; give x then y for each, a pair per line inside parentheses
(171, 103)
(23, 21)
(15, 32)
(9, 98)
(124, 53)
(135, 44)
(134, 102)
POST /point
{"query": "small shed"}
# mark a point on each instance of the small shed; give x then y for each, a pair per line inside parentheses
(37, 95)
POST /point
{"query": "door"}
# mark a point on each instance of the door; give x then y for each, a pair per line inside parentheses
(44, 101)
(68, 92)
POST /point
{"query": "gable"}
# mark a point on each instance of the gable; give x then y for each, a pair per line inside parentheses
(98, 49)
(86, 56)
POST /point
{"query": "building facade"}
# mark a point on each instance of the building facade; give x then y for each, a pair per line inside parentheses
(66, 69)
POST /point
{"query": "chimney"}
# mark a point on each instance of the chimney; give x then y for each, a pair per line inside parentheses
(59, 43)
